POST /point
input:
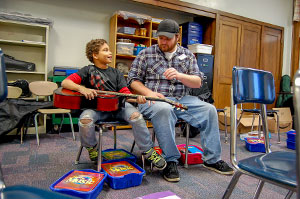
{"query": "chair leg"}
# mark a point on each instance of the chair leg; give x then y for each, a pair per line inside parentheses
(278, 129)
(72, 127)
(100, 148)
(187, 145)
(258, 189)
(289, 195)
(36, 129)
(232, 184)
(78, 155)
(115, 137)
(61, 122)
(132, 147)
(225, 121)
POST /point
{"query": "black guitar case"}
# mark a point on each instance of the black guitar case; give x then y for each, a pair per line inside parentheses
(14, 64)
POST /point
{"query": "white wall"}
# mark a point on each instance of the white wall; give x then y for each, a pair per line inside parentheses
(76, 21)
(277, 12)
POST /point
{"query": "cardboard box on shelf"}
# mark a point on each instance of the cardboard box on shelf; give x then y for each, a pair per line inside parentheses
(245, 123)
(285, 121)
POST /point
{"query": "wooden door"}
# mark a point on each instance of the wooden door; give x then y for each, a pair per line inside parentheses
(250, 45)
(271, 54)
(227, 56)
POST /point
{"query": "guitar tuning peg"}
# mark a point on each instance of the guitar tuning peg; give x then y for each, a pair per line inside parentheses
(182, 110)
(178, 109)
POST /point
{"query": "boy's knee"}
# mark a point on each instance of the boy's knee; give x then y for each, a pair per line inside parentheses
(135, 116)
(85, 120)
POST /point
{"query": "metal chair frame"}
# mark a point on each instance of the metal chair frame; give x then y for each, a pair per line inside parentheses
(243, 91)
(296, 101)
(101, 125)
(45, 88)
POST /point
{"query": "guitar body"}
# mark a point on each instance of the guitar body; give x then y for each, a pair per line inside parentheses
(68, 99)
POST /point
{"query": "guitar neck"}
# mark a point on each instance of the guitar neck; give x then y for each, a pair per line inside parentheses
(147, 98)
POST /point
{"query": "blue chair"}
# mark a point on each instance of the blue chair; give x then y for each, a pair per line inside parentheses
(296, 102)
(278, 167)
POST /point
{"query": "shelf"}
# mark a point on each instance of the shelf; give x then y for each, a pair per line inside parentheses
(27, 72)
(127, 36)
(23, 43)
(126, 56)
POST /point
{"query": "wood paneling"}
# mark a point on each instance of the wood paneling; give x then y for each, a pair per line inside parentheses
(271, 54)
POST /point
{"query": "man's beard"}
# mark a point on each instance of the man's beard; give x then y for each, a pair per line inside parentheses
(166, 48)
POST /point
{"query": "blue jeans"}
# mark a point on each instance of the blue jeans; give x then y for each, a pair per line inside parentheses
(200, 114)
(141, 133)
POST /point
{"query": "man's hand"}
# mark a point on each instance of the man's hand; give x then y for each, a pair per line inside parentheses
(87, 92)
(172, 73)
(154, 95)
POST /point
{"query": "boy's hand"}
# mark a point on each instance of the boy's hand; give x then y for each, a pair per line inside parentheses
(87, 92)
(141, 100)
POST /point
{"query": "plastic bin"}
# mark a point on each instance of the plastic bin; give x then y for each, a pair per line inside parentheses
(82, 179)
(291, 135)
(124, 48)
(138, 49)
(195, 154)
(117, 154)
(123, 174)
(255, 144)
(127, 30)
(290, 144)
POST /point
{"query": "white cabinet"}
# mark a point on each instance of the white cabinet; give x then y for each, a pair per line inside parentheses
(26, 42)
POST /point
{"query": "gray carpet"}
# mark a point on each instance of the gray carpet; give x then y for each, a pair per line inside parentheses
(41, 166)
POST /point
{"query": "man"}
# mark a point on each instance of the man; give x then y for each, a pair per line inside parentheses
(167, 70)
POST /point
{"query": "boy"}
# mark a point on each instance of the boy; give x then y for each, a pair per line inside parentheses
(100, 76)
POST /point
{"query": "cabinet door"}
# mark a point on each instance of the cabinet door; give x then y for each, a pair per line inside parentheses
(227, 56)
(271, 55)
(250, 45)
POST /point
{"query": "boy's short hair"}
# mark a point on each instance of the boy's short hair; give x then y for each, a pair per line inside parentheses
(93, 47)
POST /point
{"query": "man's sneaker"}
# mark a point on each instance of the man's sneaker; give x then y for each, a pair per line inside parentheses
(171, 173)
(93, 153)
(157, 160)
(220, 167)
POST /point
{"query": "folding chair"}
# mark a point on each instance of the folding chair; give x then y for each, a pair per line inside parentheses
(100, 125)
(296, 101)
(279, 167)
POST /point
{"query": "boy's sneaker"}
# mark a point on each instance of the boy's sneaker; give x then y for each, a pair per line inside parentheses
(93, 153)
(171, 173)
(157, 160)
(220, 167)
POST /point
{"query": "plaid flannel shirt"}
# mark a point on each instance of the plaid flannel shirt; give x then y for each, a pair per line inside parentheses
(150, 64)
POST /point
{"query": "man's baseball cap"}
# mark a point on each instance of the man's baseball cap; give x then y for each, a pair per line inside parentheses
(168, 28)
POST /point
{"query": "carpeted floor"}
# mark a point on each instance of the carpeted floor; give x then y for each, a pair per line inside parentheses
(41, 166)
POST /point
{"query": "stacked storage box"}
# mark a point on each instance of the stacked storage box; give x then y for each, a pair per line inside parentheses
(192, 33)
(291, 142)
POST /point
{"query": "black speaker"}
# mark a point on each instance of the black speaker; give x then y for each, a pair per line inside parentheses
(206, 65)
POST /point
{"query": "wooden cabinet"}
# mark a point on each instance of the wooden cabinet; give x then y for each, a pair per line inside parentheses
(244, 44)
(26, 42)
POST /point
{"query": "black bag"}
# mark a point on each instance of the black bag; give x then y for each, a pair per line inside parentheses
(203, 93)
(13, 64)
